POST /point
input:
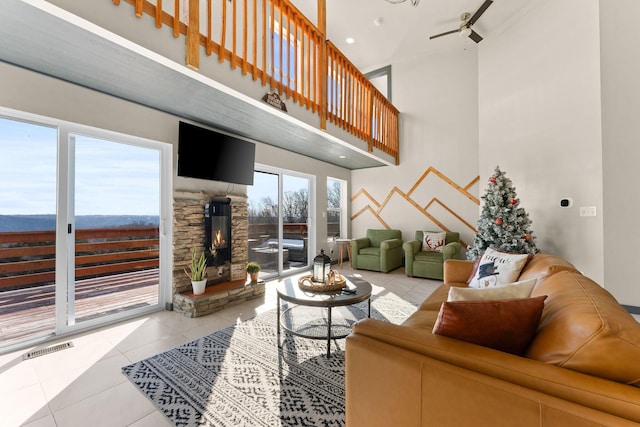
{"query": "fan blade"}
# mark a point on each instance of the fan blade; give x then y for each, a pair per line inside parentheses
(444, 34)
(475, 37)
(479, 12)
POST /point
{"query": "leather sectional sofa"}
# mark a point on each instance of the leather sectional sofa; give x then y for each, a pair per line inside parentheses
(581, 369)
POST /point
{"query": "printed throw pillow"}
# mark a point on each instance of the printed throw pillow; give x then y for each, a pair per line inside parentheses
(514, 290)
(505, 325)
(497, 268)
(433, 242)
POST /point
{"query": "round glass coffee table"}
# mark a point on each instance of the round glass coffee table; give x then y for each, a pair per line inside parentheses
(312, 323)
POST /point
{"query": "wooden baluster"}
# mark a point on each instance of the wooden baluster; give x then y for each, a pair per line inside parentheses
(234, 31)
(176, 18)
(193, 35)
(158, 13)
(139, 8)
(295, 60)
(223, 32)
(272, 38)
(254, 75)
(264, 42)
(322, 75)
(280, 50)
(208, 43)
(244, 38)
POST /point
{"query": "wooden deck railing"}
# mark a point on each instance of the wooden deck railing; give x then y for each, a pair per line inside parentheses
(28, 258)
(275, 43)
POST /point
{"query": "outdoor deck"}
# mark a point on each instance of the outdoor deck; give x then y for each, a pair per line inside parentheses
(30, 311)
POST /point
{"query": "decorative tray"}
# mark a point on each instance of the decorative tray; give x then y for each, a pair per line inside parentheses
(306, 283)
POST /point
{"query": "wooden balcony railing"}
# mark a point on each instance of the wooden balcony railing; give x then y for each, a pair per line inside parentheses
(275, 43)
(28, 258)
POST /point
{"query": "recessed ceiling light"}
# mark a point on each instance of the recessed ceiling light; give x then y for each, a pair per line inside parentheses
(343, 157)
(350, 40)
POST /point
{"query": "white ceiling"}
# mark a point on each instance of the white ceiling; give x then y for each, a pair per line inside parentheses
(405, 29)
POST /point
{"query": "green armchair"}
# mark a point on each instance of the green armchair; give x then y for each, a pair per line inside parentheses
(381, 250)
(429, 264)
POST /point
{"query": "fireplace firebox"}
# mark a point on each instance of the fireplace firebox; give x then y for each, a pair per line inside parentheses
(218, 231)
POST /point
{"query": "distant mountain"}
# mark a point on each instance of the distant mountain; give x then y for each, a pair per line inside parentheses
(48, 222)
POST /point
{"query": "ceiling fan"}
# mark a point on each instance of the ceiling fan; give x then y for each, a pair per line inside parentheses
(465, 29)
(413, 2)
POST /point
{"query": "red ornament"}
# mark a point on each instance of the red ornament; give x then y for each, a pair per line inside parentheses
(527, 237)
(492, 180)
(499, 221)
(513, 201)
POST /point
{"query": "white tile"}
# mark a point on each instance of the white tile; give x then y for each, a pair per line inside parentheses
(177, 321)
(65, 389)
(16, 373)
(155, 347)
(121, 405)
(134, 335)
(46, 421)
(23, 406)
(87, 350)
(154, 419)
(215, 323)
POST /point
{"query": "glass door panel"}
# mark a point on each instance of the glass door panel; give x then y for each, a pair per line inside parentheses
(116, 205)
(27, 230)
(295, 216)
(263, 222)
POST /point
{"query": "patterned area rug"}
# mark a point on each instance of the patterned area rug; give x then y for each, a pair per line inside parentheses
(239, 377)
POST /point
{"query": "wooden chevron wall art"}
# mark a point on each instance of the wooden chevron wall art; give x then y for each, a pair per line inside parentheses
(376, 208)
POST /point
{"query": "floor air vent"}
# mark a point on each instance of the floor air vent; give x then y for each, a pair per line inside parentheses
(47, 350)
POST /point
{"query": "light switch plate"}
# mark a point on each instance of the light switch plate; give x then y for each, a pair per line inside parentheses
(587, 211)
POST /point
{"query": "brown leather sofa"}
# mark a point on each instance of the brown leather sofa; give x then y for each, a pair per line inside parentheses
(581, 369)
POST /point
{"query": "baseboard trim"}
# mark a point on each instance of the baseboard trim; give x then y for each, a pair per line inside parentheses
(632, 309)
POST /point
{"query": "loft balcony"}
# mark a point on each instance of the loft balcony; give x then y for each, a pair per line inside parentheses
(212, 61)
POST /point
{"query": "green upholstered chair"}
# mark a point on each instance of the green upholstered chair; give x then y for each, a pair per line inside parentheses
(381, 250)
(426, 264)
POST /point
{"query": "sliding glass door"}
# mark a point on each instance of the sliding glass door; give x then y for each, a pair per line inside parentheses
(279, 221)
(27, 229)
(116, 203)
(82, 240)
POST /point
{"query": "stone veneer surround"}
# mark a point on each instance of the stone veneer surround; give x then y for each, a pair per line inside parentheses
(188, 233)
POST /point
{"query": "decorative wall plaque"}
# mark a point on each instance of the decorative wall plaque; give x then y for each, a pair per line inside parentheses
(273, 99)
(238, 272)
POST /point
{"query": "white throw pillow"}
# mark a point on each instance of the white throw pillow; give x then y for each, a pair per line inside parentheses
(433, 242)
(514, 290)
(498, 268)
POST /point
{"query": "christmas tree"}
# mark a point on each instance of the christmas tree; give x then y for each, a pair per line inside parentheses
(503, 225)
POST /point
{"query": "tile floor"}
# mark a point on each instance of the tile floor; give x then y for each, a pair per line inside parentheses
(83, 385)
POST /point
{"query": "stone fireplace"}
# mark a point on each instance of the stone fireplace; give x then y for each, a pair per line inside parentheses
(197, 219)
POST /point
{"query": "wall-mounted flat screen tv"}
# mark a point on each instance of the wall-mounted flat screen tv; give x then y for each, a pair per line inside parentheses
(206, 154)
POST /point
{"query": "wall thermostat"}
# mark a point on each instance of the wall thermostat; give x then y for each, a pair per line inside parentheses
(566, 203)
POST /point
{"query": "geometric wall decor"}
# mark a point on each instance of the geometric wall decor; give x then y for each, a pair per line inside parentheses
(376, 208)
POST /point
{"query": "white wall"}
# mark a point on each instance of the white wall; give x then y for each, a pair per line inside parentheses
(437, 97)
(620, 68)
(540, 121)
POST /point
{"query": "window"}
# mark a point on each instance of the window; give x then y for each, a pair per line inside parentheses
(336, 202)
(381, 79)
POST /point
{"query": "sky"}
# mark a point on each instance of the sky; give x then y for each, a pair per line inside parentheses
(266, 185)
(111, 178)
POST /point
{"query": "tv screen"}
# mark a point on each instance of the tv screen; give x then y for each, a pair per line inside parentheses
(206, 154)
